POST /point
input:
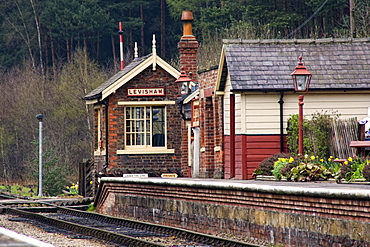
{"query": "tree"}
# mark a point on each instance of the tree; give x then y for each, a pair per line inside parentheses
(363, 18)
(76, 21)
(18, 32)
(71, 139)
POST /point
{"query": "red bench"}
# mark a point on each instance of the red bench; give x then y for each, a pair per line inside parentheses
(360, 147)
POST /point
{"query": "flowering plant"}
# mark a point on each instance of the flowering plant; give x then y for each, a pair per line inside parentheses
(354, 168)
(310, 168)
(73, 189)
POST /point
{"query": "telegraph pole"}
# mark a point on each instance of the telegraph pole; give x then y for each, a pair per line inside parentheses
(352, 19)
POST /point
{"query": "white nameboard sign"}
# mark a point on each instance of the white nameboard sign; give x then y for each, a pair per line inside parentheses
(141, 175)
(169, 175)
(150, 91)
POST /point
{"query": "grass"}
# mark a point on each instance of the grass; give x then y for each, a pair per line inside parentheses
(30, 191)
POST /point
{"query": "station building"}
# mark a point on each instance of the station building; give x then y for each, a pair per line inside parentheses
(138, 126)
(231, 116)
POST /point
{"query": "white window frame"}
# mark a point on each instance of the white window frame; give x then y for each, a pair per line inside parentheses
(145, 149)
(100, 150)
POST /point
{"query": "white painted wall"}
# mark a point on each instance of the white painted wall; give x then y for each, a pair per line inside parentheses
(258, 113)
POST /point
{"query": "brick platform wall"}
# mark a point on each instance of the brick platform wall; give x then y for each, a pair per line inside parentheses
(293, 219)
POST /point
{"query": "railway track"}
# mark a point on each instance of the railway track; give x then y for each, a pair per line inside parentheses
(117, 230)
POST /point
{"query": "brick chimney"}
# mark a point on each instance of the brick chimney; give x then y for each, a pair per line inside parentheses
(188, 46)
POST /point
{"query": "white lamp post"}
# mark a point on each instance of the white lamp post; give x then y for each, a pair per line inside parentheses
(40, 117)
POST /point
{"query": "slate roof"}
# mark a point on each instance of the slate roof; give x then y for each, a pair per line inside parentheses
(97, 92)
(265, 65)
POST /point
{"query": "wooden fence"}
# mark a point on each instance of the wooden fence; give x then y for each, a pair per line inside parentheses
(86, 178)
(342, 133)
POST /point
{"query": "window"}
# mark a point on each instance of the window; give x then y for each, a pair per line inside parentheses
(99, 126)
(145, 126)
(96, 128)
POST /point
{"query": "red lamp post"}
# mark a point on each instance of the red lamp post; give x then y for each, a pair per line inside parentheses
(301, 80)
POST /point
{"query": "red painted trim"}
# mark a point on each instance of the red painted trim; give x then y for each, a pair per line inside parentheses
(232, 135)
(247, 152)
(244, 158)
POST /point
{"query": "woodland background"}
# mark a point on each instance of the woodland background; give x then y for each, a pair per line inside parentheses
(53, 52)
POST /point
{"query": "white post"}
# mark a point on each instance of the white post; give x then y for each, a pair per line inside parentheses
(40, 118)
(196, 152)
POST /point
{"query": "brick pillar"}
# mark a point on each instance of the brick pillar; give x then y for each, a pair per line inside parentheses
(188, 46)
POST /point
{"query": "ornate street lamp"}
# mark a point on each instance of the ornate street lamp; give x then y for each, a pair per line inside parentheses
(183, 83)
(301, 80)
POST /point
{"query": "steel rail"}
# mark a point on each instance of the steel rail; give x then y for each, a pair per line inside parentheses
(85, 230)
(110, 236)
(178, 232)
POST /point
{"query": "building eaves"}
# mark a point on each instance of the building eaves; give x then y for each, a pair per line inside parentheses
(97, 92)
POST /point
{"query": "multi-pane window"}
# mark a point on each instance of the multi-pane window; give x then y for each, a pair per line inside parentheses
(145, 126)
(97, 128)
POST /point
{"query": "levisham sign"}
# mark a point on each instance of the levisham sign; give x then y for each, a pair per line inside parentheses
(156, 91)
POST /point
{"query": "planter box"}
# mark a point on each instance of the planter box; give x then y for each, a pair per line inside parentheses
(268, 178)
(356, 181)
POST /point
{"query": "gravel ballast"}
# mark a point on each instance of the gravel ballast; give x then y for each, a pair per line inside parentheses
(56, 239)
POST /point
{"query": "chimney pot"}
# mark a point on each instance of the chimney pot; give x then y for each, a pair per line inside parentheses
(187, 18)
(187, 15)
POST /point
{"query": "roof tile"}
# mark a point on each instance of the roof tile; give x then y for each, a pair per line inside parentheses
(266, 64)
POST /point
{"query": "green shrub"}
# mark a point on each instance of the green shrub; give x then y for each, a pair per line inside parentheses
(267, 165)
(91, 207)
(316, 133)
(352, 169)
(54, 175)
(366, 172)
(309, 172)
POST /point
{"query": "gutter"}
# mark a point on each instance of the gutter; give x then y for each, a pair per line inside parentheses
(106, 103)
(281, 103)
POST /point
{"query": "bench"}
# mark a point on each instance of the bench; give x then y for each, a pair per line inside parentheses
(360, 147)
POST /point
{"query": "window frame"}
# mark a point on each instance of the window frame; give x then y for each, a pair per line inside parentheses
(99, 146)
(145, 149)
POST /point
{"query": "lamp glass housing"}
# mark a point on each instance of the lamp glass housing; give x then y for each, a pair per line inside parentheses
(301, 77)
(301, 82)
(184, 87)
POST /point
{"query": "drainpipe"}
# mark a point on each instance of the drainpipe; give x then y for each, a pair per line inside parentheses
(106, 102)
(281, 103)
(232, 135)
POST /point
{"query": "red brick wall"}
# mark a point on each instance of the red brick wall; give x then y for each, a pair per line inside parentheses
(184, 151)
(249, 152)
(188, 47)
(154, 164)
(211, 127)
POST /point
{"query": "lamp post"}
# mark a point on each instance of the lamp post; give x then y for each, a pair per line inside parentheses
(301, 80)
(183, 83)
(40, 117)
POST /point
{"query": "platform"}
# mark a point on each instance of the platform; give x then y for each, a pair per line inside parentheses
(318, 188)
(9, 238)
(278, 212)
